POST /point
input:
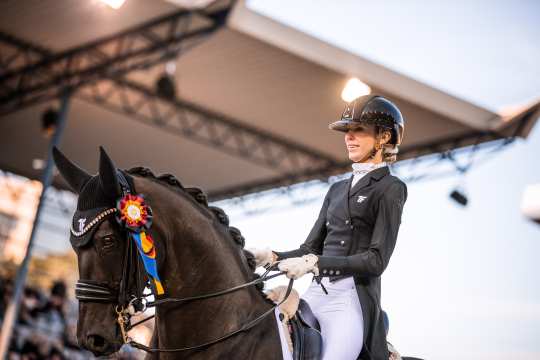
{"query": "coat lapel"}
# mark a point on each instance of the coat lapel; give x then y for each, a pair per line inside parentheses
(366, 179)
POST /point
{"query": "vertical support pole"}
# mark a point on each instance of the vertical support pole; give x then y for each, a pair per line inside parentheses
(12, 310)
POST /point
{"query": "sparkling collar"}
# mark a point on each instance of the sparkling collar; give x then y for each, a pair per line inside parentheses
(364, 168)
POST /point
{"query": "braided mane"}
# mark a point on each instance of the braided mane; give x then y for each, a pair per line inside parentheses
(202, 199)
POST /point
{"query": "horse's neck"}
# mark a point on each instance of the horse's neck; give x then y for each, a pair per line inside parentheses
(199, 265)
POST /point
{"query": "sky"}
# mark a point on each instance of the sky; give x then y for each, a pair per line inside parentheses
(461, 283)
(484, 51)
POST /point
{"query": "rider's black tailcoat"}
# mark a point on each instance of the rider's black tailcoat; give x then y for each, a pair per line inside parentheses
(355, 235)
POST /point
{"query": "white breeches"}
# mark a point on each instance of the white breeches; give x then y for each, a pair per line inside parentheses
(340, 316)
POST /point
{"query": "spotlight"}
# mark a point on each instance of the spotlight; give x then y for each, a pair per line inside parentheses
(353, 89)
(115, 4)
(165, 85)
(459, 196)
(530, 203)
(38, 164)
(48, 122)
(191, 4)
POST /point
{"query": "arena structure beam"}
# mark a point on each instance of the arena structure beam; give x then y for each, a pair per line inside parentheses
(137, 48)
(12, 310)
(200, 125)
(191, 121)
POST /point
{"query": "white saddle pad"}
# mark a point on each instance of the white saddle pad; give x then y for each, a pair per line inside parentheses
(284, 347)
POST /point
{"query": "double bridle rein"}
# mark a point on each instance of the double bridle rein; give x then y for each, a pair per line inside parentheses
(128, 304)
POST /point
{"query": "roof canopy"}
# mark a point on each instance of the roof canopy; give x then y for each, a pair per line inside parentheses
(254, 97)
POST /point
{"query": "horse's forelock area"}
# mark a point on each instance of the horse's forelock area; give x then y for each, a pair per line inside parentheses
(199, 199)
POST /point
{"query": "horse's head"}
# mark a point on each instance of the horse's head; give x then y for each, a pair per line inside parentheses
(206, 251)
(109, 271)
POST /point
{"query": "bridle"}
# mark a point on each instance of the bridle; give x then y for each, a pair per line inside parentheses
(128, 304)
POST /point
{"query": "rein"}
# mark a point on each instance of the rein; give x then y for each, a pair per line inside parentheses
(243, 328)
(94, 292)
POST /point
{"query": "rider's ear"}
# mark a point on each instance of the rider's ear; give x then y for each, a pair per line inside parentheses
(73, 174)
(107, 175)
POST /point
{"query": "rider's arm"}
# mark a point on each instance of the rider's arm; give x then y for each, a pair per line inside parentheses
(315, 239)
(374, 260)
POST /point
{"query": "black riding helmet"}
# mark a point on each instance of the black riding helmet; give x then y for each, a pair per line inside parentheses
(375, 110)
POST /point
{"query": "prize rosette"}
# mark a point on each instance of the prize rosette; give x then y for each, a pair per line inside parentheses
(133, 213)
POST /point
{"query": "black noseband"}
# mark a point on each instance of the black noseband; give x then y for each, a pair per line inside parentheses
(88, 290)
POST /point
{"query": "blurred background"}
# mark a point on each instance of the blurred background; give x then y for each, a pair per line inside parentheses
(235, 97)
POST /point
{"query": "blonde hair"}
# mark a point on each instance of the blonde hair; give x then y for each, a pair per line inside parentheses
(389, 151)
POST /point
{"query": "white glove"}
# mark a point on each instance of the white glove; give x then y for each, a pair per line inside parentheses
(263, 257)
(299, 266)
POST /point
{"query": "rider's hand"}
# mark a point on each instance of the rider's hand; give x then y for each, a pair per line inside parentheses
(263, 257)
(299, 266)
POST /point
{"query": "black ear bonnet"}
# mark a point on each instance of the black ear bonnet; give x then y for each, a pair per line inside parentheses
(97, 194)
(92, 202)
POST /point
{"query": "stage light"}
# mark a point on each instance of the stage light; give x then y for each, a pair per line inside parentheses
(530, 202)
(191, 4)
(165, 85)
(115, 4)
(48, 122)
(38, 164)
(459, 196)
(353, 89)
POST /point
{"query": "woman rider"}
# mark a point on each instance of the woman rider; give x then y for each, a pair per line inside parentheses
(354, 236)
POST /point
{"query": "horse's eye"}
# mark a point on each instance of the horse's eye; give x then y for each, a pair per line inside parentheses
(108, 242)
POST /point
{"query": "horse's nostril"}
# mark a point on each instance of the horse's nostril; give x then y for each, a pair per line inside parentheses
(96, 341)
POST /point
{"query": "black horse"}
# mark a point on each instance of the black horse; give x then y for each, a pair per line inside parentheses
(196, 253)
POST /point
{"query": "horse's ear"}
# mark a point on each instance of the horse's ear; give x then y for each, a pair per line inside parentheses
(107, 175)
(73, 174)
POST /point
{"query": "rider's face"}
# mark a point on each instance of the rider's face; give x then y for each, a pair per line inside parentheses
(360, 141)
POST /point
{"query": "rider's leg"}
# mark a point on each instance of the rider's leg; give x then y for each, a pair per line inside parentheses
(340, 316)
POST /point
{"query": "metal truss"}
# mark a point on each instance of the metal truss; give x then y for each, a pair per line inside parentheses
(203, 126)
(440, 149)
(444, 151)
(420, 168)
(194, 122)
(42, 75)
(17, 53)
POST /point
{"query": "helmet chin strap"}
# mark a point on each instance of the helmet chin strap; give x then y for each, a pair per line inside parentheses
(373, 152)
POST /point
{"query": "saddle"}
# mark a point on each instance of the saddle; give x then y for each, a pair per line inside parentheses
(306, 334)
(300, 324)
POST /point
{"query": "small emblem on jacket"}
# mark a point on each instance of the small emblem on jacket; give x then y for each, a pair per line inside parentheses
(81, 224)
(361, 198)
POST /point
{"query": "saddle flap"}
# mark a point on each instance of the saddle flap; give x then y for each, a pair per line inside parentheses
(307, 341)
(305, 315)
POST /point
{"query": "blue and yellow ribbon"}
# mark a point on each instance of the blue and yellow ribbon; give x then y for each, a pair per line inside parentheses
(136, 217)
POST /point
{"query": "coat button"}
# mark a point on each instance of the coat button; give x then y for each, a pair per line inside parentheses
(346, 221)
(338, 272)
(327, 223)
(331, 272)
(342, 242)
(324, 271)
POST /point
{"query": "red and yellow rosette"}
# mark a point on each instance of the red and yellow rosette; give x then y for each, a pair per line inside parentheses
(136, 216)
